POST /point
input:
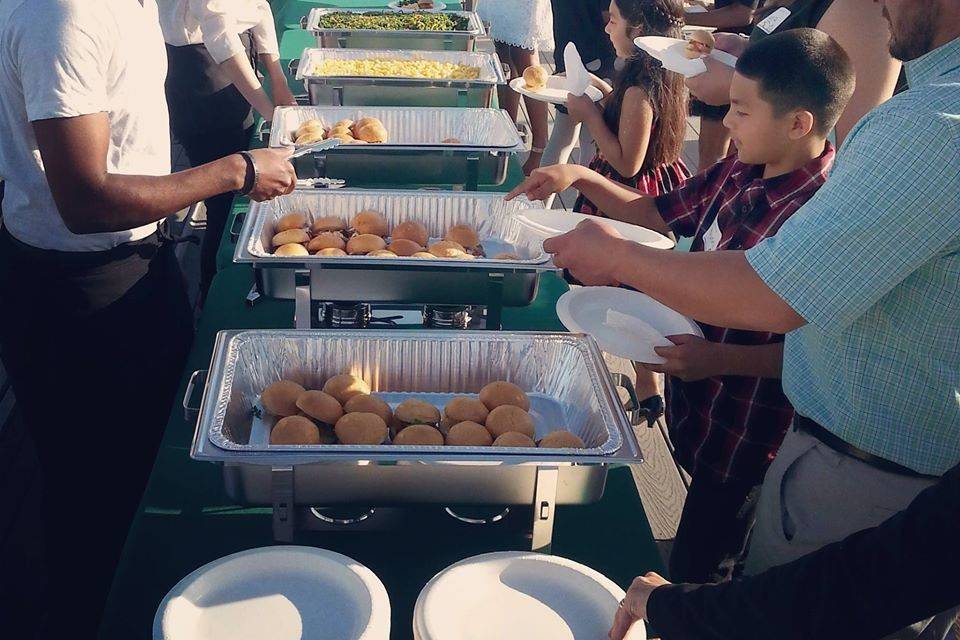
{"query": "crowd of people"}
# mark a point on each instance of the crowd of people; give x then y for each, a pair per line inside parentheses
(818, 418)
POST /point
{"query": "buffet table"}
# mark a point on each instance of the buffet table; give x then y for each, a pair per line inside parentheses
(185, 519)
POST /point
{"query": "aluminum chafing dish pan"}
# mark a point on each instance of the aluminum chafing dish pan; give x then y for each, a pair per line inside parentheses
(402, 280)
(414, 153)
(390, 91)
(463, 40)
(564, 374)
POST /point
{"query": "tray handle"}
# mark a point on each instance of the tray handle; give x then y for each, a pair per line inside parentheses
(526, 135)
(263, 131)
(190, 413)
(236, 225)
(303, 22)
(631, 406)
(506, 71)
(292, 67)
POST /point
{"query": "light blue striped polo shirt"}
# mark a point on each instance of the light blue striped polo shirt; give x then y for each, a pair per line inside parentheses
(872, 262)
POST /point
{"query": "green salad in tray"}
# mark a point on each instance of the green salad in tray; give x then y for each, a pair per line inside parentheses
(385, 21)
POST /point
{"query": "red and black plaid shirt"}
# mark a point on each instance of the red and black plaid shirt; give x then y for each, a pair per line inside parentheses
(730, 427)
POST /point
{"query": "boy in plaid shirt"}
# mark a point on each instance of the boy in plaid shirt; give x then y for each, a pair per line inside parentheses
(726, 410)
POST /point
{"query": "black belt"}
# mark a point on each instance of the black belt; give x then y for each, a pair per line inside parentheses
(841, 446)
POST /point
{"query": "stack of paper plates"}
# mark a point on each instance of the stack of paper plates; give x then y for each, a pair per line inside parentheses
(276, 593)
(518, 596)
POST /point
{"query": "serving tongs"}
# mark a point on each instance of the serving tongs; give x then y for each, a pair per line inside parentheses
(315, 146)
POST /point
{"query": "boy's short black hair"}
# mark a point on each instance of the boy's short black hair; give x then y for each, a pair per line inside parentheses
(801, 69)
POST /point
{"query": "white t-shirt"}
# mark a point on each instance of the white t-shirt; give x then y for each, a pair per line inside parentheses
(67, 58)
(218, 25)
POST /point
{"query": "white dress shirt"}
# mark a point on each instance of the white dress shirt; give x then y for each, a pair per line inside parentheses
(217, 24)
(68, 58)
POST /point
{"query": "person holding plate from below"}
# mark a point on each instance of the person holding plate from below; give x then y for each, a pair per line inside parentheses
(859, 27)
(726, 410)
(213, 47)
(640, 126)
(865, 282)
(94, 318)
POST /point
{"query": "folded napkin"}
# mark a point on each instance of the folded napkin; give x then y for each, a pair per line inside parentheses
(578, 78)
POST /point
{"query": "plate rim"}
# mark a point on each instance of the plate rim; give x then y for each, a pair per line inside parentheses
(587, 570)
(519, 85)
(566, 318)
(379, 617)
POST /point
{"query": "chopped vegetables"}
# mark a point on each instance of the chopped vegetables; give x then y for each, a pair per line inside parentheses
(382, 21)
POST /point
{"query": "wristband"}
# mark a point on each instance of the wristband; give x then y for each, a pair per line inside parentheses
(252, 174)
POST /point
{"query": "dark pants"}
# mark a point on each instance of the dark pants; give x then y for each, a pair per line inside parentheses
(210, 119)
(713, 530)
(95, 345)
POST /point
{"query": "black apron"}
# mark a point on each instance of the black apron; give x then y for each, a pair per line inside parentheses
(200, 97)
(95, 344)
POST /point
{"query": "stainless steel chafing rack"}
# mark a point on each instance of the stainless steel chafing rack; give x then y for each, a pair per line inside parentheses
(415, 152)
(463, 40)
(402, 280)
(564, 375)
(388, 91)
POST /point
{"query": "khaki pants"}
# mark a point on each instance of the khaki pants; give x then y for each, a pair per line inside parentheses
(813, 496)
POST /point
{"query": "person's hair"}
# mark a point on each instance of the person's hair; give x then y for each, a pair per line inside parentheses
(801, 69)
(665, 90)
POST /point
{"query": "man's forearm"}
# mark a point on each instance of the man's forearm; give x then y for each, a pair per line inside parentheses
(244, 78)
(620, 202)
(715, 287)
(730, 17)
(753, 361)
(125, 201)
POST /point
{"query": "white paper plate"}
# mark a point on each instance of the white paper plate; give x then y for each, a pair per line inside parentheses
(518, 595)
(437, 6)
(553, 222)
(555, 92)
(276, 593)
(586, 309)
(669, 51)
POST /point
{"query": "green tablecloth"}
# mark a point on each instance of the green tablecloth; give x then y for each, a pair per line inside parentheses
(186, 520)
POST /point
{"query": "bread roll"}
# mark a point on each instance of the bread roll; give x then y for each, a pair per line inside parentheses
(404, 248)
(381, 253)
(371, 222)
(328, 223)
(291, 250)
(411, 230)
(562, 440)
(331, 253)
(469, 434)
(294, 430)
(372, 132)
(464, 235)
(501, 392)
(419, 434)
(365, 403)
(514, 439)
(320, 406)
(310, 137)
(291, 236)
(364, 244)
(535, 77)
(506, 418)
(447, 249)
(463, 409)
(327, 240)
(361, 428)
(280, 398)
(290, 221)
(345, 386)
